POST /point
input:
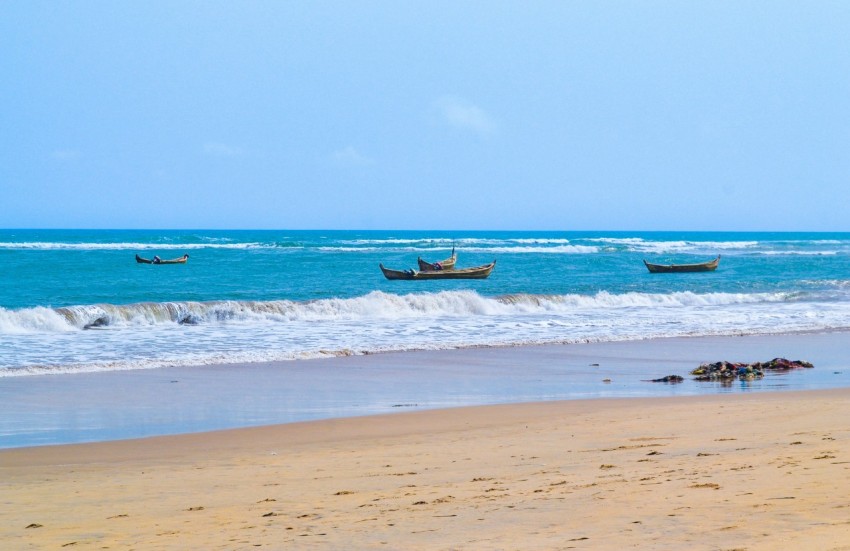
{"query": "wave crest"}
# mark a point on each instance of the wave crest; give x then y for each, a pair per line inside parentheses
(374, 305)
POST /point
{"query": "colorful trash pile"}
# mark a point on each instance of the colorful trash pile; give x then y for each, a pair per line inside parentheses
(722, 371)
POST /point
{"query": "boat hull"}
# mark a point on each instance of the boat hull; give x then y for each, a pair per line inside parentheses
(477, 272)
(181, 260)
(682, 268)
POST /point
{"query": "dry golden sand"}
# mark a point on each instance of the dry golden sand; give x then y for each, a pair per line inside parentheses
(754, 471)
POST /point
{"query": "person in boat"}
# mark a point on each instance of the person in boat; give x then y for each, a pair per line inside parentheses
(438, 266)
(156, 259)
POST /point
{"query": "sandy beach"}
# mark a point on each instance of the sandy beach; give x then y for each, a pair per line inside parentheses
(454, 276)
(747, 471)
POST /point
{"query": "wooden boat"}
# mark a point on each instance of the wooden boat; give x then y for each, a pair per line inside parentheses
(447, 264)
(709, 266)
(477, 272)
(156, 260)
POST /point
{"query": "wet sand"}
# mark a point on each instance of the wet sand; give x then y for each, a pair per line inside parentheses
(60, 409)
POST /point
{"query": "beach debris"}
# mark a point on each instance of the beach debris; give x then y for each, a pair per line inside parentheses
(673, 379)
(707, 485)
(102, 321)
(34, 525)
(723, 370)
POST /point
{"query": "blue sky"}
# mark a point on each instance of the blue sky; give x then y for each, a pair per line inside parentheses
(593, 115)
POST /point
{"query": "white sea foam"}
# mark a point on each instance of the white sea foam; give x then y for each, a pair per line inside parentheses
(542, 241)
(32, 320)
(637, 244)
(831, 283)
(465, 243)
(151, 335)
(798, 253)
(394, 241)
(559, 249)
(375, 305)
(494, 249)
(43, 245)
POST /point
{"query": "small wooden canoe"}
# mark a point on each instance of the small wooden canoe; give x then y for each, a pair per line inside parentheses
(477, 272)
(709, 266)
(447, 264)
(156, 260)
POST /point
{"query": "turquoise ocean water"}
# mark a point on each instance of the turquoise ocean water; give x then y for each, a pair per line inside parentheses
(75, 301)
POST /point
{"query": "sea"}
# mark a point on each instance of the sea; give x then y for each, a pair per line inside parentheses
(76, 301)
(267, 327)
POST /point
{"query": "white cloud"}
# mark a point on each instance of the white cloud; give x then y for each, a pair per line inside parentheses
(350, 156)
(216, 149)
(462, 114)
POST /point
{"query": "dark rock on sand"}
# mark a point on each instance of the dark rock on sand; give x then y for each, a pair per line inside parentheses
(668, 379)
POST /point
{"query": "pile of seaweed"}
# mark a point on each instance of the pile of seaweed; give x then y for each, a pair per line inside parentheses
(727, 371)
(720, 371)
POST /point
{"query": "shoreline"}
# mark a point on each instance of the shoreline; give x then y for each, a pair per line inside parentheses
(131, 404)
(725, 471)
(340, 430)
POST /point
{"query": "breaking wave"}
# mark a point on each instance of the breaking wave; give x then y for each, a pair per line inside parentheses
(109, 337)
(375, 305)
